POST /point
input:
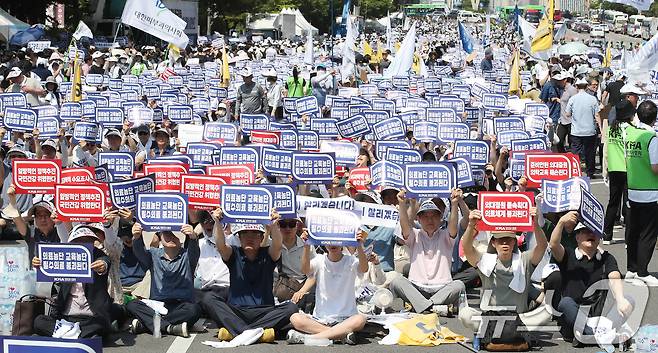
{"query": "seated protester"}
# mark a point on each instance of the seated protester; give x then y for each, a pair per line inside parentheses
(250, 303)
(290, 282)
(211, 272)
(44, 229)
(172, 282)
(581, 268)
(335, 316)
(505, 273)
(132, 271)
(87, 304)
(430, 282)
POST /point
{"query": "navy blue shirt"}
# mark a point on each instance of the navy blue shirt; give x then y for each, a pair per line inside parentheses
(131, 270)
(251, 281)
(549, 91)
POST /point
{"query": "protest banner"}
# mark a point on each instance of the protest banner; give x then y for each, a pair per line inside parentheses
(217, 92)
(124, 193)
(449, 132)
(591, 212)
(119, 164)
(266, 137)
(84, 131)
(238, 155)
(403, 156)
(339, 113)
(426, 131)
(33, 344)
(355, 126)
(562, 195)
(368, 89)
(531, 144)
(325, 128)
(19, 119)
(102, 173)
(234, 174)
(277, 162)
(167, 175)
(359, 108)
(416, 103)
(360, 178)
(203, 191)
(246, 204)
(389, 129)
(46, 111)
(550, 166)
(201, 153)
(284, 199)
(313, 168)
(94, 80)
(109, 117)
(179, 113)
(17, 100)
(534, 124)
(345, 152)
(386, 174)
(505, 138)
(508, 123)
(338, 227)
(381, 104)
(441, 115)
(250, 122)
(289, 139)
(464, 172)
(429, 179)
(80, 175)
(505, 211)
(38, 46)
(306, 202)
(493, 101)
(382, 146)
(373, 214)
(454, 103)
(220, 131)
(375, 116)
(306, 105)
(476, 151)
(81, 202)
(162, 211)
(537, 109)
(139, 116)
(409, 117)
(177, 158)
(188, 133)
(70, 263)
(39, 176)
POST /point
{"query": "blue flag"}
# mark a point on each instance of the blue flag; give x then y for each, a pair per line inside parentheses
(515, 23)
(467, 40)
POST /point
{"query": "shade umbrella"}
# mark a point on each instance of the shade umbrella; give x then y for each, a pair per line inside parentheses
(21, 38)
(573, 48)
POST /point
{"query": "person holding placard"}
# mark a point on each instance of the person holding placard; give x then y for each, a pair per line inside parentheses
(250, 303)
(172, 282)
(506, 274)
(335, 316)
(85, 305)
(430, 282)
(581, 268)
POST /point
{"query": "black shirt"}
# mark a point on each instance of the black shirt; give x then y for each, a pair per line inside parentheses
(578, 275)
(614, 94)
(251, 281)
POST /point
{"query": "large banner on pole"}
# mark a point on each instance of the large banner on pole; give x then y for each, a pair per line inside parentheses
(154, 18)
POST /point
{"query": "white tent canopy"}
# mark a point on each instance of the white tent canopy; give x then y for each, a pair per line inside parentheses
(9, 25)
(275, 21)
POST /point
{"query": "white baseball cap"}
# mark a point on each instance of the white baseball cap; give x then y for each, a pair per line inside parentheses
(14, 72)
(246, 72)
(239, 227)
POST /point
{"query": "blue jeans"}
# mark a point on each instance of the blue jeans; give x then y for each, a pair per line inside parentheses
(569, 309)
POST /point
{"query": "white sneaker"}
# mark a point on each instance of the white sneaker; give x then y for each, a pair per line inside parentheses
(295, 337)
(649, 280)
(630, 275)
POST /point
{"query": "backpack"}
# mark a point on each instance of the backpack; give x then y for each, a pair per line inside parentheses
(510, 339)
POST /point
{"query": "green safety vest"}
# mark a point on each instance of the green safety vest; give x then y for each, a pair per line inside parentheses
(296, 90)
(616, 160)
(638, 165)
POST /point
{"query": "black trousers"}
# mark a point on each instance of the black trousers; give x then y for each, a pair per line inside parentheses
(618, 196)
(44, 325)
(178, 312)
(562, 131)
(641, 233)
(585, 147)
(239, 319)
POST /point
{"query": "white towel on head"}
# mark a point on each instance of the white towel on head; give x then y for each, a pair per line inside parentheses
(487, 265)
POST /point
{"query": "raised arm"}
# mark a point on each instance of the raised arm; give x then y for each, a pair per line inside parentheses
(472, 255)
(20, 223)
(360, 253)
(275, 234)
(220, 239)
(569, 220)
(405, 223)
(306, 255)
(455, 196)
(143, 255)
(540, 238)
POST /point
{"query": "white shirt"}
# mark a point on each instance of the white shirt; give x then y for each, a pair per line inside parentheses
(647, 196)
(334, 294)
(211, 269)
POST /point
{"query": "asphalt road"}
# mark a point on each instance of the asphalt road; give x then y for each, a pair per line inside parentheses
(550, 343)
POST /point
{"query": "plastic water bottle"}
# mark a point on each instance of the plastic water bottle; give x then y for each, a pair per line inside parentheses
(156, 325)
(476, 342)
(463, 302)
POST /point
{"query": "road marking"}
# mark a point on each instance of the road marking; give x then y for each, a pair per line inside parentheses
(181, 344)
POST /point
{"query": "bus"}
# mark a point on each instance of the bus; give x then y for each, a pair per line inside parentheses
(634, 26)
(615, 20)
(424, 9)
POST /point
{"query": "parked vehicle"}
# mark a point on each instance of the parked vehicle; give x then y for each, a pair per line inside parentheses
(598, 31)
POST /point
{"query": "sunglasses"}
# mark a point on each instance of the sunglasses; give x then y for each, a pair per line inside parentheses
(288, 224)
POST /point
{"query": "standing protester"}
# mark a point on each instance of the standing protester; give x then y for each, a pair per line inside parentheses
(583, 109)
(251, 97)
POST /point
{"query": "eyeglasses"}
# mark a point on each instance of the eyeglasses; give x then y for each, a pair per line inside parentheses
(288, 224)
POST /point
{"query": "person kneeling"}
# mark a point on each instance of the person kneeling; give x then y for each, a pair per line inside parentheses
(335, 315)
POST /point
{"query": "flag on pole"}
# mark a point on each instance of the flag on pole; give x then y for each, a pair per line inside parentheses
(226, 74)
(404, 58)
(308, 51)
(367, 48)
(607, 58)
(467, 40)
(348, 66)
(639, 64)
(528, 32)
(397, 47)
(154, 18)
(173, 53)
(82, 31)
(543, 39)
(515, 76)
(487, 32)
(389, 32)
(642, 5)
(76, 87)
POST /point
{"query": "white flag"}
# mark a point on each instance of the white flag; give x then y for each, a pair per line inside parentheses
(348, 66)
(404, 58)
(645, 60)
(82, 31)
(308, 51)
(642, 5)
(528, 31)
(389, 33)
(154, 18)
(487, 32)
